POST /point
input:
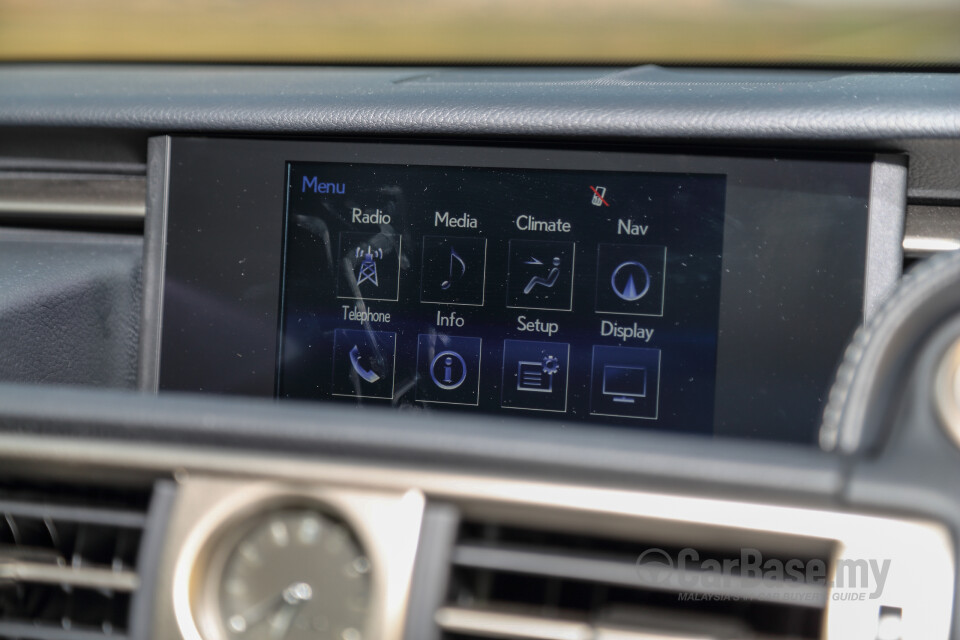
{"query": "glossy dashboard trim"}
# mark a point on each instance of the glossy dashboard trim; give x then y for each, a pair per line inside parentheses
(946, 392)
(645, 102)
(71, 198)
(922, 559)
(154, 259)
(888, 209)
(931, 230)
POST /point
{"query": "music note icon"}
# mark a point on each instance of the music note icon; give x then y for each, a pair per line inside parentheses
(454, 260)
(454, 270)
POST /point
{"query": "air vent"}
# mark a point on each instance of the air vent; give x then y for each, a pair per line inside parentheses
(510, 582)
(68, 560)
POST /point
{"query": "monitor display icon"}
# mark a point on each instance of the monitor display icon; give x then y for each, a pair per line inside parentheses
(625, 382)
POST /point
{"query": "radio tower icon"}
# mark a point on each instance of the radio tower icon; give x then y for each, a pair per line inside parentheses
(368, 265)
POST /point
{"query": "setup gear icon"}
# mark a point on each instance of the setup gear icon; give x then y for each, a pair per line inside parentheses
(550, 365)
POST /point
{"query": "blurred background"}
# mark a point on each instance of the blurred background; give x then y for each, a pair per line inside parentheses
(485, 31)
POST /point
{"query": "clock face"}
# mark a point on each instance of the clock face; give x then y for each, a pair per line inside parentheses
(295, 573)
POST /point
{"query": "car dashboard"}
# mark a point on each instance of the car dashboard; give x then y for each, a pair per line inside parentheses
(465, 353)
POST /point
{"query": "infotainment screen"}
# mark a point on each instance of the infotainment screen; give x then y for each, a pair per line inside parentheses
(709, 294)
(572, 294)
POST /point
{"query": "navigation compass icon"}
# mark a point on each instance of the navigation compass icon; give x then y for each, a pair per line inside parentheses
(630, 280)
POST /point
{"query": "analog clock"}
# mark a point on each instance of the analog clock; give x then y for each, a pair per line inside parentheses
(292, 574)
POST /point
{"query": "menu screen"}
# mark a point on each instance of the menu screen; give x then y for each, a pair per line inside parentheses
(570, 295)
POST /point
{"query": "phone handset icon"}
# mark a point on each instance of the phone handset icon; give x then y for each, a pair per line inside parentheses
(366, 374)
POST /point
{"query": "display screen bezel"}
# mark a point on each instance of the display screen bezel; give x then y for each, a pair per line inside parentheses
(223, 204)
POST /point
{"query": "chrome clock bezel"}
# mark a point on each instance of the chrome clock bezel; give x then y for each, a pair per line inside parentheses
(212, 515)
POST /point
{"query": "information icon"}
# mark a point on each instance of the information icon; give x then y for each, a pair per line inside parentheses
(631, 279)
(448, 369)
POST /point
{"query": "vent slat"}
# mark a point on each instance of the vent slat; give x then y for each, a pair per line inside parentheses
(108, 579)
(496, 624)
(490, 624)
(35, 632)
(628, 574)
(86, 515)
(520, 582)
(68, 560)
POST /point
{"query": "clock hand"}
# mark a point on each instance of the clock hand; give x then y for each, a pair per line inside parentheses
(295, 594)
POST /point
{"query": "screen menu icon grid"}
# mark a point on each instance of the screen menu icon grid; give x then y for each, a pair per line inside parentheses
(560, 294)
